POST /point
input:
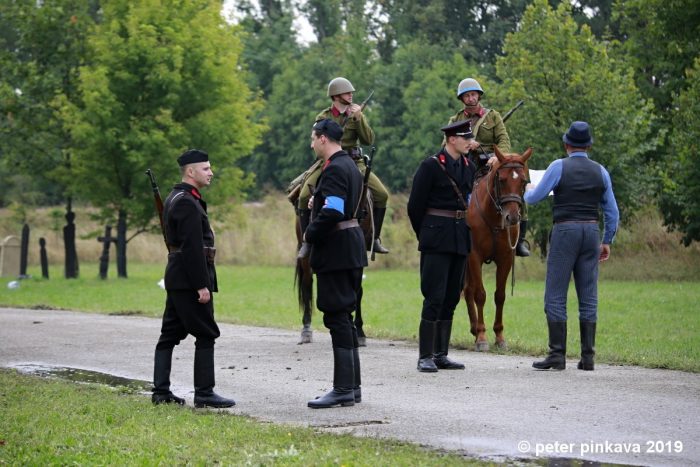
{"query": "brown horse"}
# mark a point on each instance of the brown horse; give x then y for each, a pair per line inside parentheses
(494, 218)
(304, 281)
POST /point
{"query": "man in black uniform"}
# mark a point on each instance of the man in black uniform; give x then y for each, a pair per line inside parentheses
(337, 257)
(190, 281)
(437, 208)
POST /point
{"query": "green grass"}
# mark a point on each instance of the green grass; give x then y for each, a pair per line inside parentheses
(652, 324)
(49, 422)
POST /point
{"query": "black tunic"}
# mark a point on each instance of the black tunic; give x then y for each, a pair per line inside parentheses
(432, 189)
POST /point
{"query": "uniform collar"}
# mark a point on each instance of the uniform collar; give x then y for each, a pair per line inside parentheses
(191, 190)
(479, 113)
(335, 112)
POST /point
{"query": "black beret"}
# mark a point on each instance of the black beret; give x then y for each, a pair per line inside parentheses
(192, 156)
(460, 128)
(329, 128)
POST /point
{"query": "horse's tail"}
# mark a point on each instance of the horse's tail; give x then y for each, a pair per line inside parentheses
(304, 284)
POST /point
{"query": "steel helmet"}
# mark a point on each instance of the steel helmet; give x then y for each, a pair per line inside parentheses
(339, 86)
(468, 84)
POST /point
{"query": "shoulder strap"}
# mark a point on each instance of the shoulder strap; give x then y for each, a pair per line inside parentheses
(460, 197)
(478, 123)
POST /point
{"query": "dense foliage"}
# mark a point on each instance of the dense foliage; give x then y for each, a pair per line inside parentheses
(93, 92)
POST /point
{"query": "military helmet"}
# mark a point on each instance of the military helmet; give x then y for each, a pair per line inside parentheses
(468, 84)
(339, 86)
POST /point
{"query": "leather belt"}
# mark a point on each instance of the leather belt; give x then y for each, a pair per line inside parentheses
(577, 222)
(209, 252)
(349, 224)
(446, 213)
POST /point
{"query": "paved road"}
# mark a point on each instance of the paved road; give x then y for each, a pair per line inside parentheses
(498, 408)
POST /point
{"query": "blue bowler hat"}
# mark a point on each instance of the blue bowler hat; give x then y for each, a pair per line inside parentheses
(578, 135)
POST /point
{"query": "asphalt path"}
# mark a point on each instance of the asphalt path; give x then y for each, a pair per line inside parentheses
(498, 409)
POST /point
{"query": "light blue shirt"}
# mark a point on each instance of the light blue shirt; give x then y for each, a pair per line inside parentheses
(550, 180)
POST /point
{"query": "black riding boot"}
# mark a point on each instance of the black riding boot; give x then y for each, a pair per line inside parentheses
(587, 345)
(343, 393)
(204, 395)
(161, 379)
(556, 359)
(358, 380)
(442, 343)
(304, 220)
(378, 215)
(521, 248)
(426, 346)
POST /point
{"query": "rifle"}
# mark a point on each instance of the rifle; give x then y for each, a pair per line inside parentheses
(362, 107)
(510, 112)
(483, 156)
(159, 204)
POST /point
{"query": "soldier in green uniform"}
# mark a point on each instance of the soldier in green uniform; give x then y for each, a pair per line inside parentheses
(356, 132)
(489, 131)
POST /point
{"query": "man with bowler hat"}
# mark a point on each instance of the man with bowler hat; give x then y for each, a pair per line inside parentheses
(580, 187)
(437, 208)
(190, 281)
(337, 257)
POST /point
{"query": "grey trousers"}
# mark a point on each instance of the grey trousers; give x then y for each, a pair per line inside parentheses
(574, 248)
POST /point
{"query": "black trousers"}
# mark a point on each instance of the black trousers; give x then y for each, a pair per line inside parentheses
(184, 315)
(441, 282)
(337, 298)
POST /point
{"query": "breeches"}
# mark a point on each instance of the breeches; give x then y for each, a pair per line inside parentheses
(441, 282)
(184, 315)
(337, 298)
(337, 290)
(574, 248)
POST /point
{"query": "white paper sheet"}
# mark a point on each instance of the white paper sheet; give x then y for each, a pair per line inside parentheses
(536, 178)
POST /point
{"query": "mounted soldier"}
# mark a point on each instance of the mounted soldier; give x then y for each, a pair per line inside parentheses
(489, 131)
(356, 132)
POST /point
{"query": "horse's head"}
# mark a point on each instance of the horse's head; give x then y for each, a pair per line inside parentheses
(509, 180)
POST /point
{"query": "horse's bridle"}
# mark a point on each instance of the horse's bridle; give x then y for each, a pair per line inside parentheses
(499, 200)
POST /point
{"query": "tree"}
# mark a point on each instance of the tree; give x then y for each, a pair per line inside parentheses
(164, 76)
(680, 201)
(43, 44)
(269, 43)
(564, 74)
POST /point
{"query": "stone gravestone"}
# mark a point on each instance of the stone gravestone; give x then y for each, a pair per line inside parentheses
(9, 257)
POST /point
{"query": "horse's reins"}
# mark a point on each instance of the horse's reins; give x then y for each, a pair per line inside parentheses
(498, 205)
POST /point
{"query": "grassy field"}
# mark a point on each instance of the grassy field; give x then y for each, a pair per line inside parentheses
(652, 324)
(49, 422)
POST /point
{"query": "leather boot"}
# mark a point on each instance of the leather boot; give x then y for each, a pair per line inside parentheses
(587, 345)
(358, 380)
(442, 343)
(204, 395)
(378, 216)
(521, 248)
(161, 379)
(426, 346)
(343, 393)
(304, 220)
(556, 359)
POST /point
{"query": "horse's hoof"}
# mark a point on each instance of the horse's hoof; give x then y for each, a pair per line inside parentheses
(482, 346)
(306, 337)
(361, 341)
(502, 345)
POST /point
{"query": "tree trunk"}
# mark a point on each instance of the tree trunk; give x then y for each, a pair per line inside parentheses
(121, 244)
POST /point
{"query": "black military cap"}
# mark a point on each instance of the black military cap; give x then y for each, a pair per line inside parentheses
(329, 128)
(460, 128)
(192, 156)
